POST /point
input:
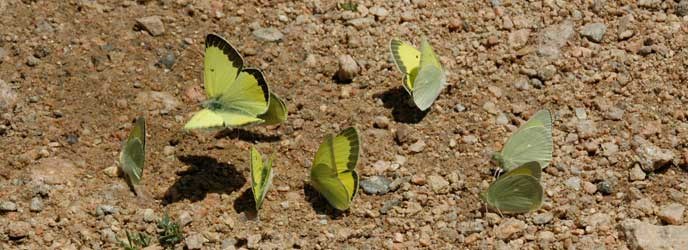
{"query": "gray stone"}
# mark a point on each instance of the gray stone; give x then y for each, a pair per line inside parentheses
(609, 148)
(645, 205)
(543, 218)
(270, 34)
(643, 235)
(636, 173)
(348, 68)
(253, 241)
(586, 129)
(381, 122)
(573, 183)
(107, 235)
(581, 114)
(162, 102)
(184, 218)
(681, 9)
(167, 60)
(491, 108)
(546, 73)
(605, 187)
(376, 185)
(398, 182)
(417, 147)
(502, 119)
(36, 204)
(594, 31)
(149, 215)
(388, 205)
(522, 84)
(650, 156)
(469, 139)
(459, 107)
(509, 229)
(361, 22)
(18, 229)
(597, 220)
(152, 24)
(438, 184)
(102, 210)
(195, 241)
(672, 213)
(32, 61)
(650, 4)
(8, 97)
(518, 38)
(553, 38)
(378, 12)
(614, 114)
(8, 206)
(469, 227)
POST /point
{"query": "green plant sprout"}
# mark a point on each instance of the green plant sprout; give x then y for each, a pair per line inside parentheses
(170, 231)
(135, 241)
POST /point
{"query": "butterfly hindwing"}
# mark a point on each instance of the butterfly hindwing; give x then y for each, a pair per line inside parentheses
(517, 191)
(133, 154)
(249, 94)
(277, 111)
(334, 168)
(261, 177)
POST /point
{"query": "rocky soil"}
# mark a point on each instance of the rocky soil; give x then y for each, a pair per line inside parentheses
(75, 73)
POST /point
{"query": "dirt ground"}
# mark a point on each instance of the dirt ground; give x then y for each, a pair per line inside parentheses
(74, 74)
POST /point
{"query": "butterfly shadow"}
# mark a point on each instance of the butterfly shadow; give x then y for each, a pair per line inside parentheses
(246, 135)
(205, 175)
(320, 204)
(402, 107)
(246, 204)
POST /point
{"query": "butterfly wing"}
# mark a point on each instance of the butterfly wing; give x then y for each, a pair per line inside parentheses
(207, 118)
(261, 177)
(325, 179)
(519, 193)
(277, 111)
(529, 168)
(249, 94)
(407, 59)
(429, 84)
(531, 142)
(222, 64)
(133, 154)
(346, 150)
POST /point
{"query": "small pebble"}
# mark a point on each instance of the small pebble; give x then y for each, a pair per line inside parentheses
(381, 122)
(149, 215)
(376, 185)
(268, 34)
(18, 229)
(152, 24)
(8, 206)
(36, 204)
(348, 68)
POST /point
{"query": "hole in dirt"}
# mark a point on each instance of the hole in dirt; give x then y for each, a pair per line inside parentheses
(403, 110)
(246, 135)
(205, 175)
(320, 204)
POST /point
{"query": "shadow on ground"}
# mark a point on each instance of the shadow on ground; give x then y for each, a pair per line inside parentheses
(246, 135)
(403, 110)
(205, 175)
(320, 204)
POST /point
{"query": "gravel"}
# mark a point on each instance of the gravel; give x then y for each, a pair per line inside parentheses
(594, 31)
(376, 185)
(348, 68)
(270, 34)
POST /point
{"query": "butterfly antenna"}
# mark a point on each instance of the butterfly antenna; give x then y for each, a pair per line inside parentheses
(500, 212)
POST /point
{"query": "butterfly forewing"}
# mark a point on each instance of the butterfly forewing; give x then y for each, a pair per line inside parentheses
(531, 142)
(407, 59)
(222, 64)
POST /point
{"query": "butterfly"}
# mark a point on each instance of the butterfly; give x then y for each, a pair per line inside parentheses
(424, 77)
(237, 96)
(516, 191)
(531, 142)
(334, 169)
(261, 176)
(133, 154)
